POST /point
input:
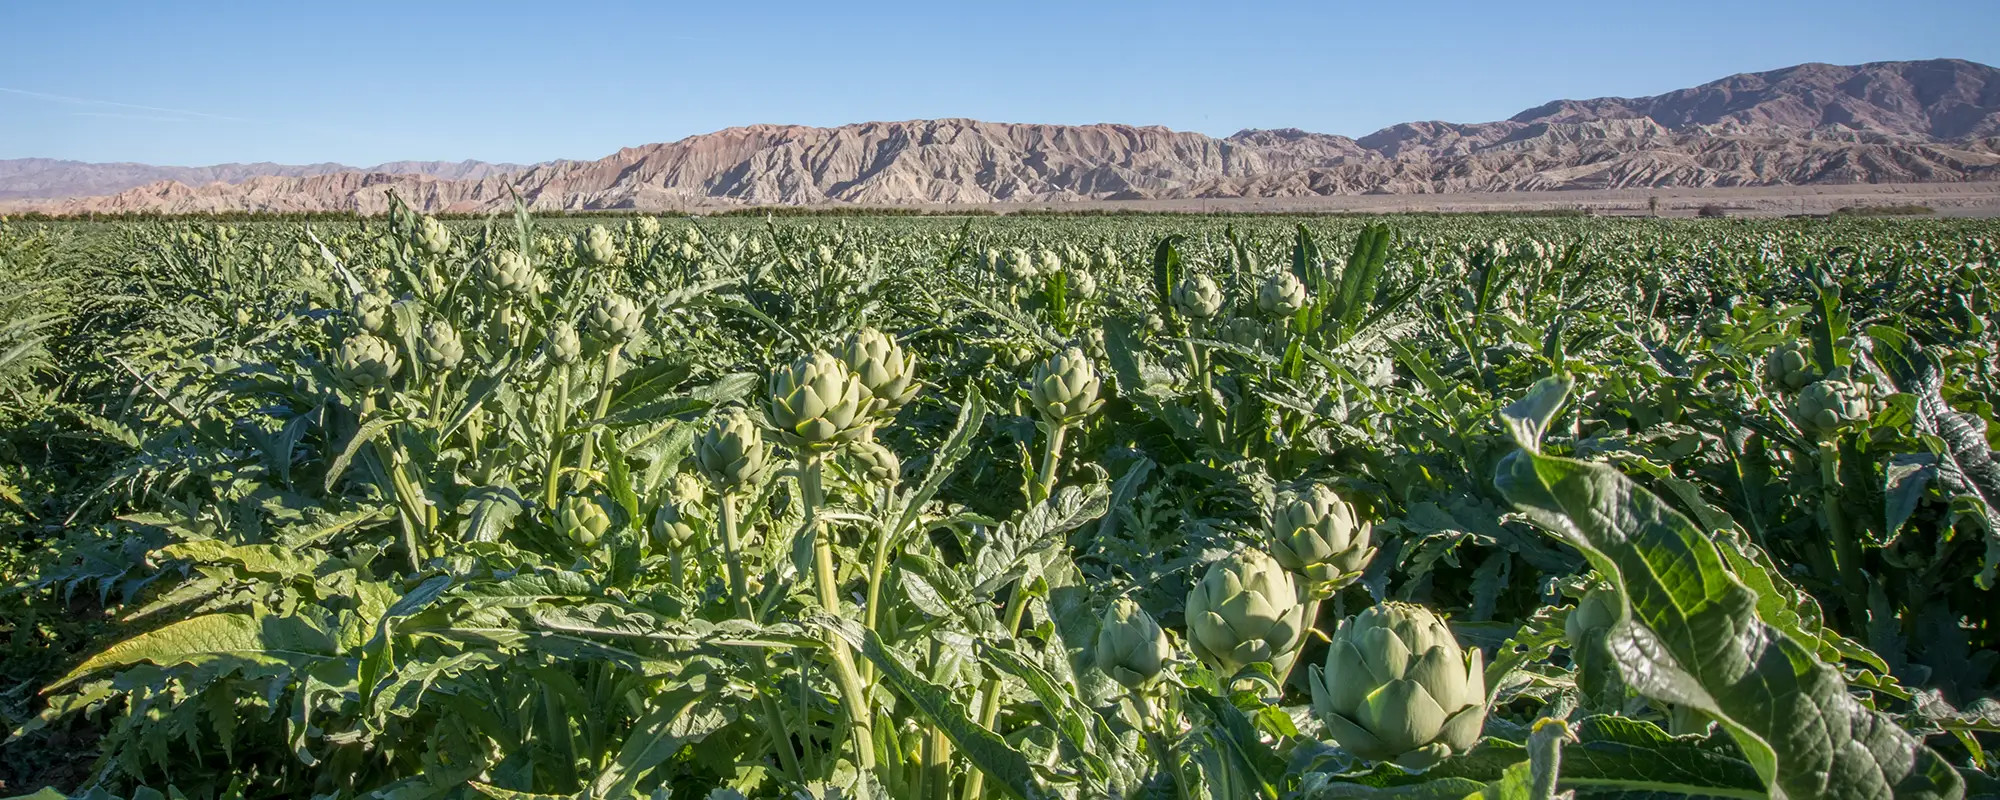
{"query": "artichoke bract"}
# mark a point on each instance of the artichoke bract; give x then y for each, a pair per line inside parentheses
(583, 520)
(1131, 647)
(368, 362)
(731, 452)
(615, 320)
(884, 368)
(439, 347)
(1397, 687)
(817, 403)
(1319, 536)
(433, 237)
(1064, 387)
(598, 248)
(1082, 285)
(1198, 297)
(1789, 366)
(1825, 408)
(1281, 296)
(1595, 613)
(371, 311)
(1246, 610)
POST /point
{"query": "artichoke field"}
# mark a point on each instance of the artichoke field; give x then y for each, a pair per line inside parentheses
(1033, 507)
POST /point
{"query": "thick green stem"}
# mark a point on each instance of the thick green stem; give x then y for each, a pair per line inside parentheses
(861, 720)
(1045, 479)
(989, 702)
(937, 750)
(589, 457)
(552, 485)
(1846, 546)
(732, 543)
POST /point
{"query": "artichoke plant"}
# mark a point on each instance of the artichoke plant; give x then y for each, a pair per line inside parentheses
(731, 452)
(1825, 408)
(439, 347)
(1243, 332)
(817, 403)
(884, 368)
(1131, 647)
(1198, 297)
(669, 525)
(1246, 610)
(368, 362)
(1019, 267)
(1320, 537)
(1064, 387)
(615, 320)
(1397, 687)
(583, 520)
(1281, 296)
(1082, 285)
(371, 311)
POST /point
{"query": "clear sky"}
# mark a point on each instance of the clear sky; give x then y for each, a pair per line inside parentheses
(361, 82)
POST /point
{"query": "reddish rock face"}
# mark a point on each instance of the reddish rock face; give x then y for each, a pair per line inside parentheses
(1889, 122)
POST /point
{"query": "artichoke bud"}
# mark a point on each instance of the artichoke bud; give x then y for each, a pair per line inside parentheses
(1131, 647)
(1246, 610)
(597, 247)
(885, 370)
(1243, 332)
(1281, 296)
(1317, 535)
(818, 403)
(1019, 267)
(1048, 262)
(583, 520)
(1825, 408)
(1198, 297)
(669, 525)
(615, 320)
(648, 227)
(730, 454)
(511, 276)
(1789, 367)
(1064, 387)
(439, 347)
(1594, 614)
(433, 237)
(371, 311)
(1082, 285)
(368, 362)
(1397, 687)
(564, 345)
(877, 461)
(1107, 258)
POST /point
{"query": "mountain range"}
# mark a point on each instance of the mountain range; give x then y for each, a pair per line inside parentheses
(1812, 124)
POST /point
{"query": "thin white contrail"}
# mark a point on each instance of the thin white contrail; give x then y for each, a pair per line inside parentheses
(87, 101)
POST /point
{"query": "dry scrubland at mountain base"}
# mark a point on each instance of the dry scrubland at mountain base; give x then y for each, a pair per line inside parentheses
(1810, 125)
(974, 508)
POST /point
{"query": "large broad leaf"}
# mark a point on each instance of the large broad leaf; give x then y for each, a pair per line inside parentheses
(286, 640)
(1689, 633)
(1965, 466)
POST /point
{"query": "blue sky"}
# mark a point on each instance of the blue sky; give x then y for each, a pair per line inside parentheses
(363, 82)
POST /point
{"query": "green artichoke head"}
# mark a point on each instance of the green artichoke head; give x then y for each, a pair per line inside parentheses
(731, 452)
(877, 461)
(597, 247)
(1064, 387)
(1281, 295)
(1789, 367)
(510, 276)
(884, 368)
(669, 526)
(817, 403)
(564, 345)
(1317, 535)
(1595, 613)
(371, 311)
(1246, 610)
(1131, 647)
(1397, 687)
(583, 520)
(1082, 284)
(368, 362)
(1825, 408)
(1198, 297)
(1243, 332)
(433, 237)
(1019, 267)
(613, 319)
(439, 347)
